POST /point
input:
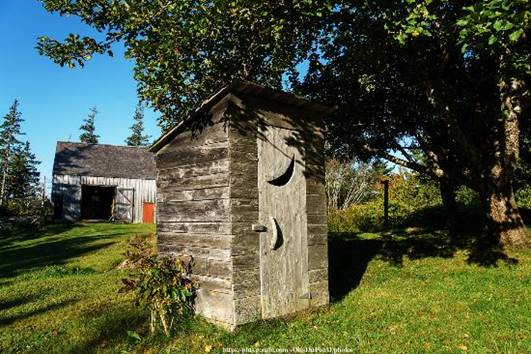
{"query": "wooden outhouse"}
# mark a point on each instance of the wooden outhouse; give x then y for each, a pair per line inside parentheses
(240, 188)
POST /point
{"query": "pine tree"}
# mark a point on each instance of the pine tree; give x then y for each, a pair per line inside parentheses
(137, 129)
(88, 128)
(9, 131)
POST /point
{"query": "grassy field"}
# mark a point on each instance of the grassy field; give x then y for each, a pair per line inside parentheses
(408, 292)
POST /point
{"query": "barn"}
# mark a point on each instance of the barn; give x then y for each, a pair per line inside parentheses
(103, 182)
(240, 188)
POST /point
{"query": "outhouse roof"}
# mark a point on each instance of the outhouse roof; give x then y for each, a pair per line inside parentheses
(249, 89)
(101, 160)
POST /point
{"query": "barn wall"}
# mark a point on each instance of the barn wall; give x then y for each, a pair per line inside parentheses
(69, 187)
(193, 213)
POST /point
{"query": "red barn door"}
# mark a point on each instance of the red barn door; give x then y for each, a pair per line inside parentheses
(149, 213)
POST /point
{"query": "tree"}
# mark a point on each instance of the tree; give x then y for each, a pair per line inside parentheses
(137, 137)
(20, 178)
(24, 177)
(10, 130)
(88, 129)
(443, 79)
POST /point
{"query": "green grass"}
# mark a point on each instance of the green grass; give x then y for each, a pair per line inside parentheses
(407, 292)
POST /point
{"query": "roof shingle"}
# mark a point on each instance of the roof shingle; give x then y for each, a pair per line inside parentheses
(100, 160)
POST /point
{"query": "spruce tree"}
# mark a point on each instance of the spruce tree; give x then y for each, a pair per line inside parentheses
(88, 129)
(137, 137)
(9, 131)
(24, 177)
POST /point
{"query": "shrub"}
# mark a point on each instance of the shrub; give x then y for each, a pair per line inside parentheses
(163, 285)
(412, 200)
(357, 218)
(523, 197)
(467, 197)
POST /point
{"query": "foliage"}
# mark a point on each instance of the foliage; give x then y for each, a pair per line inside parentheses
(24, 177)
(523, 197)
(137, 137)
(444, 77)
(161, 284)
(10, 130)
(21, 193)
(382, 306)
(467, 197)
(88, 129)
(184, 49)
(412, 200)
(500, 28)
(367, 217)
(350, 182)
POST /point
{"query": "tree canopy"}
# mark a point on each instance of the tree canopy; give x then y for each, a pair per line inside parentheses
(446, 80)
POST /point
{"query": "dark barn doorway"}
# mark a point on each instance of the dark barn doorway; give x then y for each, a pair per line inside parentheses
(97, 202)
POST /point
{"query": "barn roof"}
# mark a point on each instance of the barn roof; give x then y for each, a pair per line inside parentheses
(249, 89)
(100, 160)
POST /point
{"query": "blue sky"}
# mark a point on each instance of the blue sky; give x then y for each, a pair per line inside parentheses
(55, 100)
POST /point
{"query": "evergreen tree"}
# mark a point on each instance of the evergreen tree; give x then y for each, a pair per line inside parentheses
(88, 129)
(24, 177)
(137, 129)
(9, 143)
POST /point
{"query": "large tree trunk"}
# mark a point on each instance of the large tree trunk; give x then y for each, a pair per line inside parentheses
(503, 224)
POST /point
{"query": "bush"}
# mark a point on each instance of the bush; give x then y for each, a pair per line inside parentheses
(163, 285)
(523, 197)
(412, 200)
(357, 218)
(26, 207)
(467, 197)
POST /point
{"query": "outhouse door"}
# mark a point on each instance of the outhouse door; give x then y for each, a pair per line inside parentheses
(282, 208)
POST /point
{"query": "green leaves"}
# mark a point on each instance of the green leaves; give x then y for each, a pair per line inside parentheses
(185, 49)
(515, 36)
(161, 284)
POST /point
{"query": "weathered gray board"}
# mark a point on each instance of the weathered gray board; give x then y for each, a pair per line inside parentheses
(282, 207)
(213, 186)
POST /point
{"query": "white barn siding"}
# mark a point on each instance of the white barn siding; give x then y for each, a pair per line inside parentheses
(69, 186)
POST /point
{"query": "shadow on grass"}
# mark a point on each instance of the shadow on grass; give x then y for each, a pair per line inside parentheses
(18, 257)
(19, 260)
(4, 321)
(350, 253)
(6, 305)
(115, 322)
(18, 232)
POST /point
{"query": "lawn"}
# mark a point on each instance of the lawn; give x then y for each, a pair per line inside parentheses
(404, 291)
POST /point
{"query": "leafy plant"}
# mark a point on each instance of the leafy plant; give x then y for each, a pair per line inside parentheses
(163, 285)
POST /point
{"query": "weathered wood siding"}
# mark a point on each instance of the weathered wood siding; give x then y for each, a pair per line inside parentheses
(68, 187)
(208, 198)
(194, 214)
(244, 206)
(248, 117)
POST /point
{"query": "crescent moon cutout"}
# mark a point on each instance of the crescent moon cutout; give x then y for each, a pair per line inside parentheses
(278, 236)
(284, 178)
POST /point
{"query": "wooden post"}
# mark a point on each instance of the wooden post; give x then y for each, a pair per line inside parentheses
(386, 202)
